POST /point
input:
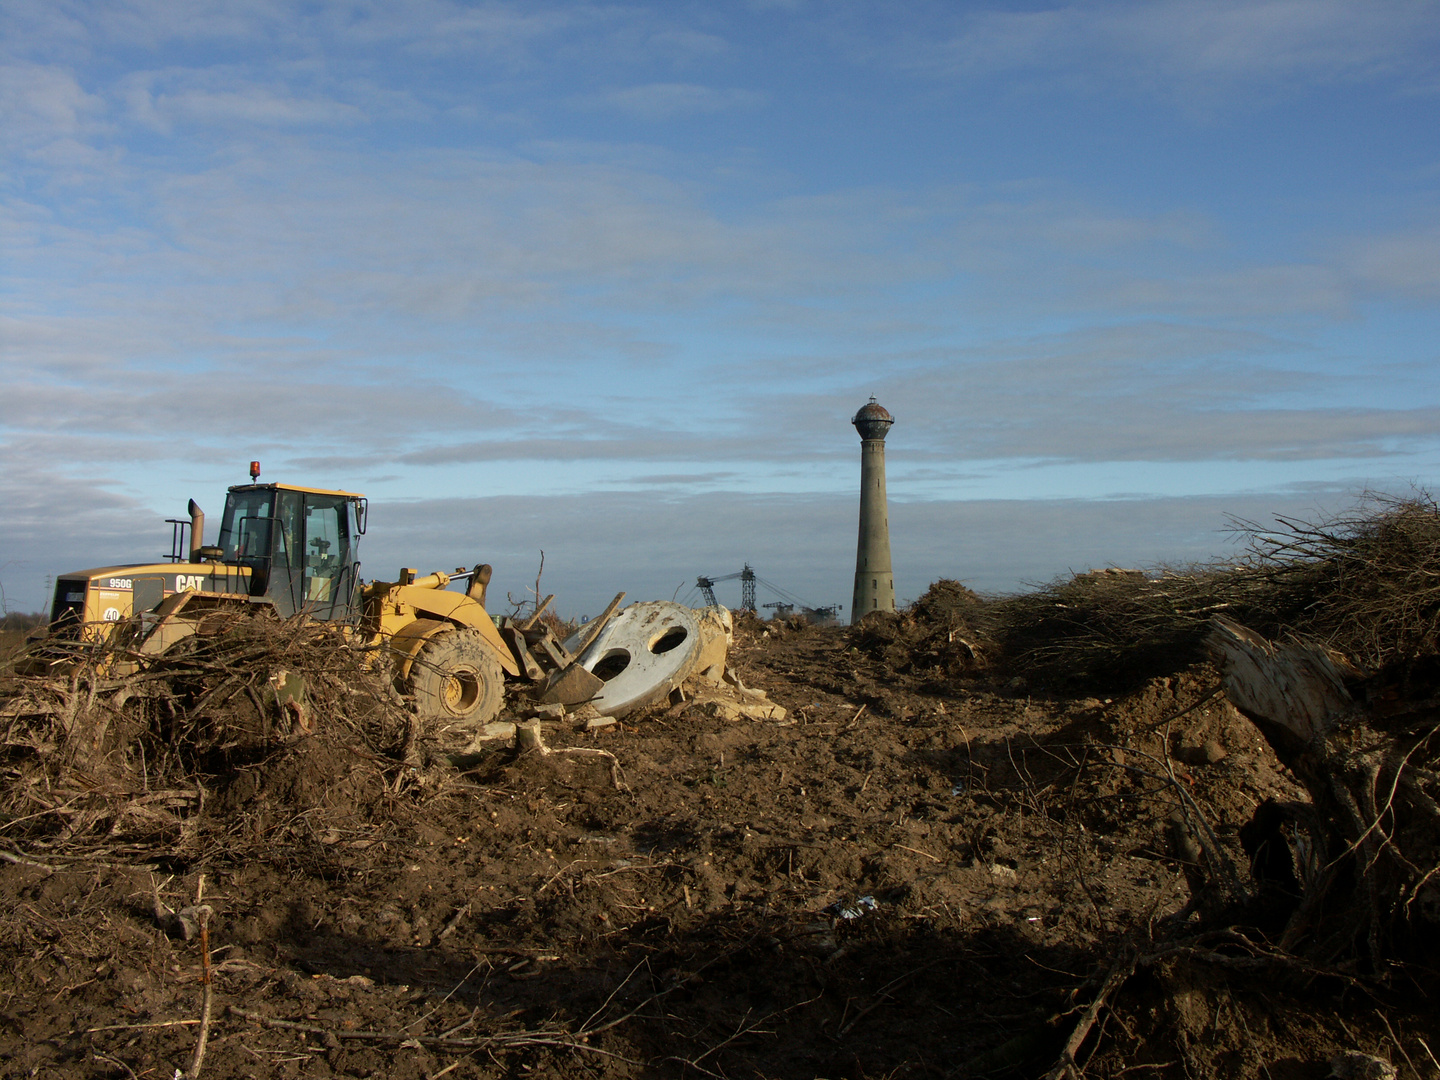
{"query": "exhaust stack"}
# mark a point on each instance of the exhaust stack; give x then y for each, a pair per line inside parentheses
(197, 530)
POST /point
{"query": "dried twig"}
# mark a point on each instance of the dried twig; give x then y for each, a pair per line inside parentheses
(917, 851)
(203, 911)
(1065, 1068)
(115, 1061)
(557, 1038)
(883, 992)
(453, 922)
(135, 1027)
(20, 860)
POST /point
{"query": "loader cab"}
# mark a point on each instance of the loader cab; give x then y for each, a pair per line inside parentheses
(299, 546)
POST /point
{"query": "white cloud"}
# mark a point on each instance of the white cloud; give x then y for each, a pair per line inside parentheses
(685, 42)
(161, 100)
(512, 36)
(1322, 39)
(415, 293)
(41, 105)
(1407, 264)
(1223, 44)
(665, 101)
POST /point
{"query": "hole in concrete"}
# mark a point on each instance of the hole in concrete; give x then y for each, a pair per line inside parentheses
(611, 664)
(671, 639)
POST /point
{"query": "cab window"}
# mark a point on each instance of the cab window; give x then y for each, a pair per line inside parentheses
(329, 584)
(287, 537)
(241, 533)
(326, 548)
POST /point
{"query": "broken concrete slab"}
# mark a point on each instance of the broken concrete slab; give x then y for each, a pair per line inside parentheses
(723, 706)
(717, 631)
(494, 731)
(641, 654)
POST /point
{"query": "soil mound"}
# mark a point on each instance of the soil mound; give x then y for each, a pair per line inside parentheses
(942, 633)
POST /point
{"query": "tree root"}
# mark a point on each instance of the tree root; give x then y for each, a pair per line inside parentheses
(528, 740)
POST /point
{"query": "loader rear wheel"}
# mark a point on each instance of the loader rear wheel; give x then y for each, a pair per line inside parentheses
(456, 678)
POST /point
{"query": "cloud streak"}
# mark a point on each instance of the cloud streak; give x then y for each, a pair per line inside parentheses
(1182, 46)
(666, 101)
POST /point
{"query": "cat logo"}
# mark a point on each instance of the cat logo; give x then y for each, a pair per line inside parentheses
(189, 582)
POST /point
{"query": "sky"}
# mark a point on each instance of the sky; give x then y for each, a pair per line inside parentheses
(607, 281)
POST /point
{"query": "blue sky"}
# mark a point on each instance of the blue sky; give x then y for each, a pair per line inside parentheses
(608, 280)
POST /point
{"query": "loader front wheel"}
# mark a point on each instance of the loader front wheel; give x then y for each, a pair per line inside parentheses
(457, 679)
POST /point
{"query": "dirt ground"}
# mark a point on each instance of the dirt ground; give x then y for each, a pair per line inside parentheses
(920, 872)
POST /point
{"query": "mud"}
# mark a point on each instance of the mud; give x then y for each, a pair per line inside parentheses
(925, 871)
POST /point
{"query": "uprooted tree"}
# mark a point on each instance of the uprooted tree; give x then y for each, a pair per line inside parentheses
(1328, 637)
(1362, 861)
(1346, 701)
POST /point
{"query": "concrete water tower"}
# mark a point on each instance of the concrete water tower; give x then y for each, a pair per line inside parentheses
(874, 584)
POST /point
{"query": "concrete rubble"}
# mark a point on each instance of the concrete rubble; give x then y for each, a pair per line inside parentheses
(651, 653)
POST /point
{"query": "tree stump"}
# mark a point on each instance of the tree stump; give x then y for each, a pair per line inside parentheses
(1365, 856)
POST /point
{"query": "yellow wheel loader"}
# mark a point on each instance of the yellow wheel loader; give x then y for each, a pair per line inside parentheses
(285, 550)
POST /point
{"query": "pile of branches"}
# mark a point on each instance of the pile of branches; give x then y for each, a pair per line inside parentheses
(1110, 626)
(1366, 583)
(946, 631)
(93, 761)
